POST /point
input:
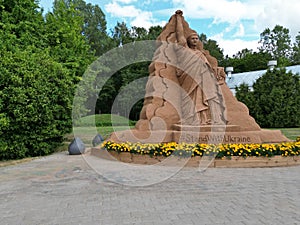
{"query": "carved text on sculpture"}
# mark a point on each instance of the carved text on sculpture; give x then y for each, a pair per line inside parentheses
(198, 138)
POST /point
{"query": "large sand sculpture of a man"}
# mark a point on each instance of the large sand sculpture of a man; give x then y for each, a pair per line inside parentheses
(187, 64)
(198, 79)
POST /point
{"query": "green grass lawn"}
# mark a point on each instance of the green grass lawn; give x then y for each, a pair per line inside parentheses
(105, 125)
(291, 133)
(87, 133)
(103, 120)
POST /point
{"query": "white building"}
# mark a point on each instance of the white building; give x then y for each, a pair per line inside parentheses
(249, 78)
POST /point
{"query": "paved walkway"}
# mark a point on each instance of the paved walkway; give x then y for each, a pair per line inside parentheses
(63, 189)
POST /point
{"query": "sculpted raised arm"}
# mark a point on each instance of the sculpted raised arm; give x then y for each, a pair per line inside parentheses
(179, 28)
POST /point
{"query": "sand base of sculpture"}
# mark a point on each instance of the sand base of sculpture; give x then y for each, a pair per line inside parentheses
(200, 134)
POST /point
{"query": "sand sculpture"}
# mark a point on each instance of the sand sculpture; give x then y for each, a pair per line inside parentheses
(187, 99)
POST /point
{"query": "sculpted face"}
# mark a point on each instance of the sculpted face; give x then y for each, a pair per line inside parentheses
(193, 40)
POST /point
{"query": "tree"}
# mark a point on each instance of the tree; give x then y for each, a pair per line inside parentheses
(64, 36)
(213, 48)
(22, 24)
(277, 99)
(277, 43)
(68, 45)
(77, 33)
(247, 60)
(131, 74)
(296, 50)
(122, 34)
(154, 32)
(245, 95)
(36, 103)
(41, 62)
(35, 90)
(139, 33)
(94, 27)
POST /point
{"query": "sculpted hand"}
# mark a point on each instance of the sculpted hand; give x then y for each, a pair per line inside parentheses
(179, 12)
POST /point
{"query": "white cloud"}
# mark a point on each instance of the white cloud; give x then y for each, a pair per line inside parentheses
(126, 1)
(117, 10)
(233, 46)
(281, 12)
(137, 17)
(262, 14)
(240, 32)
(143, 20)
(219, 10)
(147, 2)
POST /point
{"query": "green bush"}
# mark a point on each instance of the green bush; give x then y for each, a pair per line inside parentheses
(35, 105)
(275, 100)
(42, 58)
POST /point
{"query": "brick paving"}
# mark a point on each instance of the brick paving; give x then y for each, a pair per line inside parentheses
(63, 189)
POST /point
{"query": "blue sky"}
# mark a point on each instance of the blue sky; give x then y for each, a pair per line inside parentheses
(234, 24)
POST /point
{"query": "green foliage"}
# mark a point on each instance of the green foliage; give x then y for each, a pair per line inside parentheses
(243, 94)
(21, 25)
(123, 35)
(296, 50)
(64, 36)
(213, 48)
(139, 33)
(94, 26)
(247, 60)
(41, 62)
(35, 110)
(68, 46)
(277, 43)
(154, 32)
(275, 99)
(131, 75)
(115, 86)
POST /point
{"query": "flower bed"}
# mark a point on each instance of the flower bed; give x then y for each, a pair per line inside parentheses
(219, 151)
